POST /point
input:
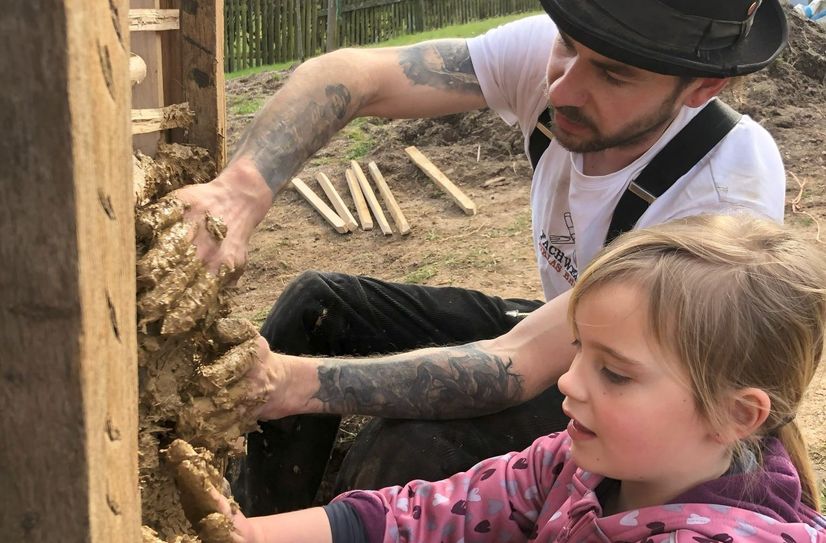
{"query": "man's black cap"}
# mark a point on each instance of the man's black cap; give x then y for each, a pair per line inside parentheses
(699, 38)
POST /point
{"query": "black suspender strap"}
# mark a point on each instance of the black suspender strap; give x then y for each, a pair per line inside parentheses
(540, 137)
(673, 161)
(679, 155)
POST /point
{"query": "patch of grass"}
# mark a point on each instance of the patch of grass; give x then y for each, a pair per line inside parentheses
(360, 142)
(278, 67)
(321, 161)
(521, 224)
(478, 258)
(467, 30)
(247, 106)
(421, 274)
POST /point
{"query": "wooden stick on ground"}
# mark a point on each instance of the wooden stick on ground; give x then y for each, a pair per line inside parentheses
(338, 203)
(374, 204)
(319, 205)
(441, 180)
(389, 200)
(358, 199)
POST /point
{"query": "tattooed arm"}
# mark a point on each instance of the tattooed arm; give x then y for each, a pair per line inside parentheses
(448, 382)
(325, 93)
(322, 96)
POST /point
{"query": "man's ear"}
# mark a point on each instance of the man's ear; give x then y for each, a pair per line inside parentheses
(748, 410)
(702, 89)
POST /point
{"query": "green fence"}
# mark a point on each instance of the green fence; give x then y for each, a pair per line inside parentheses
(260, 32)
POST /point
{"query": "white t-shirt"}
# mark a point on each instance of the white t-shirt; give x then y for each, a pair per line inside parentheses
(571, 211)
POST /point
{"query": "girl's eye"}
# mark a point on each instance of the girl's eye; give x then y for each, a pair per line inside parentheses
(614, 378)
(577, 344)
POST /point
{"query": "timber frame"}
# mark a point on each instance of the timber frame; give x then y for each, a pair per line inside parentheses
(68, 349)
(181, 42)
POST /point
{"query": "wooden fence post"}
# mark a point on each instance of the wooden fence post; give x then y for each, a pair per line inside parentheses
(299, 39)
(68, 385)
(332, 25)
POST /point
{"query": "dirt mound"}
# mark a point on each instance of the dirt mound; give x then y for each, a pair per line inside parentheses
(477, 128)
(790, 92)
(260, 84)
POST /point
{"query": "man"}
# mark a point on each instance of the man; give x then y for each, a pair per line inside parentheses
(622, 79)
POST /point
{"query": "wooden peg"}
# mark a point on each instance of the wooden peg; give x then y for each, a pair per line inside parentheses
(441, 180)
(358, 199)
(389, 200)
(338, 203)
(370, 196)
(319, 205)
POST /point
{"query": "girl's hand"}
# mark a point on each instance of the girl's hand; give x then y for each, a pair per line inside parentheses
(214, 515)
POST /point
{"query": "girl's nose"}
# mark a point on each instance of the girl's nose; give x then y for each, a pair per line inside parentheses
(570, 383)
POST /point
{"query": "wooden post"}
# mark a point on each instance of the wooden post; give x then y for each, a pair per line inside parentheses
(68, 385)
(332, 27)
(201, 84)
(150, 93)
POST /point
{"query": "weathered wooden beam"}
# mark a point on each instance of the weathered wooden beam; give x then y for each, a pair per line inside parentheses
(441, 180)
(69, 458)
(150, 93)
(202, 77)
(149, 120)
(153, 20)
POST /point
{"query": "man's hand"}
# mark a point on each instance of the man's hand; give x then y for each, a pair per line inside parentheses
(230, 395)
(197, 238)
(239, 198)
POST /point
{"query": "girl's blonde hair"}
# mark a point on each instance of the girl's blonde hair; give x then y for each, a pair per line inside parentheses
(741, 302)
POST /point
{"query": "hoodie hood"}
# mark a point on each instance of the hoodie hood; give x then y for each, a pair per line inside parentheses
(772, 490)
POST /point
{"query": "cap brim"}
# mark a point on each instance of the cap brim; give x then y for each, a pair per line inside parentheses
(586, 23)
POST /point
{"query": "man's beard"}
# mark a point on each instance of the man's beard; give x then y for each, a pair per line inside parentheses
(628, 136)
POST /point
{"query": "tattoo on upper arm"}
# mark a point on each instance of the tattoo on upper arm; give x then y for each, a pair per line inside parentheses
(458, 382)
(281, 140)
(442, 65)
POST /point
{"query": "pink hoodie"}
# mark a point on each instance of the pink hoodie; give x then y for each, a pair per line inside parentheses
(539, 494)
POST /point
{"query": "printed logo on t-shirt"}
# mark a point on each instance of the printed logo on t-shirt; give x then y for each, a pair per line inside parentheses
(549, 246)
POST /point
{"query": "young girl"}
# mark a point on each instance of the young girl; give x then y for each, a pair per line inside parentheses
(696, 341)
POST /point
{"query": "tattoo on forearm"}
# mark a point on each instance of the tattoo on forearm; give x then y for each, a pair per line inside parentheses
(454, 383)
(443, 65)
(281, 139)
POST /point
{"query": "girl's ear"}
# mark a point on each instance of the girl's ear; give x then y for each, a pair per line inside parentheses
(748, 410)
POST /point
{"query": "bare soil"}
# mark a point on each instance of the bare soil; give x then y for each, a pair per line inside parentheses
(492, 251)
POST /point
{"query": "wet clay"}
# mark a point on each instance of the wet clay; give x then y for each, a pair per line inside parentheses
(191, 354)
(198, 480)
